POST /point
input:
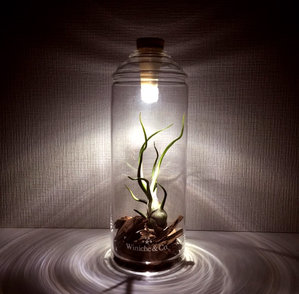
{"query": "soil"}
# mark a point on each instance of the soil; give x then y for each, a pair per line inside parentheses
(137, 242)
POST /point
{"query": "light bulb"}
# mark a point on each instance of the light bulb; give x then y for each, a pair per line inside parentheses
(149, 92)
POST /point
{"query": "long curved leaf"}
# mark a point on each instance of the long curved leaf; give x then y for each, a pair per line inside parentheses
(157, 168)
(140, 213)
(147, 190)
(157, 157)
(142, 149)
(134, 197)
(164, 198)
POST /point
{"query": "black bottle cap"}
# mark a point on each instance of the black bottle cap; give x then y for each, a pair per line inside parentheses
(150, 43)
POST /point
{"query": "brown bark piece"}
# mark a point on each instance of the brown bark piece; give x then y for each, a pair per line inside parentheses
(169, 229)
(130, 226)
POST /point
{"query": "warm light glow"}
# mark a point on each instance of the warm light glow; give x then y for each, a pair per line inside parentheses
(149, 91)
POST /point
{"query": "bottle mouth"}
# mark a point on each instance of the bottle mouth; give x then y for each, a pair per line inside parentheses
(149, 62)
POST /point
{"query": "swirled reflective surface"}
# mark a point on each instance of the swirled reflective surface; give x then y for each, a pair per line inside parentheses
(77, 261)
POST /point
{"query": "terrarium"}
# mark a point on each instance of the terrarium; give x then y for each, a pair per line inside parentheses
(149, 135)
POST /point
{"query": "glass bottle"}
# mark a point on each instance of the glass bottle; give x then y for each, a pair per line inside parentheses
(149, 135)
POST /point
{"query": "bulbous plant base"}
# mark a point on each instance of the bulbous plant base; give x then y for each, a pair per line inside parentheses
(140, 246)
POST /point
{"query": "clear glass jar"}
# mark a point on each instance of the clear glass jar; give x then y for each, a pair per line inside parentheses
(149, 135)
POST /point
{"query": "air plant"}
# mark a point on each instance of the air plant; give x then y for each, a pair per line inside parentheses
(155, 214)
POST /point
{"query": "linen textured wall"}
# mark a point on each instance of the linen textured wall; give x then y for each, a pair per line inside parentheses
(58, 58)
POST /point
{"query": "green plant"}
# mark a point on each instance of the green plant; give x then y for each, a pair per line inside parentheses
(155, 214)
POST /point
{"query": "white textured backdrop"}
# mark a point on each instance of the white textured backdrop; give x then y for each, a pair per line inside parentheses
(58, 58)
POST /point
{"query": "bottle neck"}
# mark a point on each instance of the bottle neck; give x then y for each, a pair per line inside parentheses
(148, 51)
(149, 63)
